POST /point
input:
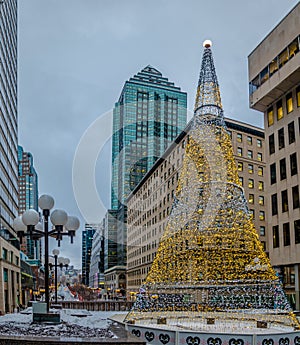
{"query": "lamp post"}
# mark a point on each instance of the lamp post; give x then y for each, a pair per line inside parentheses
(55, 253)
(28, 225)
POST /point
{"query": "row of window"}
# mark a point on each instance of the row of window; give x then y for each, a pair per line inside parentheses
(7, 257)
(260, 170)
(280, 60)
(251, 183)
(262, 216)
(281, 137)
(249, 154)
(251, 200)
(285, 201)
(278, 108)
(286, 234)
(239, 139)
(283, 169)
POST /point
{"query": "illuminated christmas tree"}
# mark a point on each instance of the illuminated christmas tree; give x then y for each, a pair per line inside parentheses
(210, 260)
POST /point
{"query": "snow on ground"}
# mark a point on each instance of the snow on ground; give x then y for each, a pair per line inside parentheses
(74, 323)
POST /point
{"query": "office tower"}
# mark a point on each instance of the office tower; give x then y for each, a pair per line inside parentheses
(96, 277)
(274, 81)
(149, 115)
(87, 242)
(110, 239)
(9, 244)
(151, 201)
(28, 198)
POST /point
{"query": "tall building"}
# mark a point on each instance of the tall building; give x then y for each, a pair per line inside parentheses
(151, 201)
(110, 239)
(96, 277)
(28, 198)
(149, 115)
(87, 242)
(9, 244)
(274, 86)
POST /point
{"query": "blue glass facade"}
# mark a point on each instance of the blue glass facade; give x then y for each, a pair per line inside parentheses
(28, 197)
(87, 244)
(148, 116)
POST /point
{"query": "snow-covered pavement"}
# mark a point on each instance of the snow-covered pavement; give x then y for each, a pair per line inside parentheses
(74, 323)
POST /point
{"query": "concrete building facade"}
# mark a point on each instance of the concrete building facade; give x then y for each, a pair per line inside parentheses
(151, 201)
(10, 277)
(274, 86)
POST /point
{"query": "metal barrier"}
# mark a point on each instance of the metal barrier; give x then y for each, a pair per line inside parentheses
(97, 305)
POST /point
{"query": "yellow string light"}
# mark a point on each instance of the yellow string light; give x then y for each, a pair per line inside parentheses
(210, 259)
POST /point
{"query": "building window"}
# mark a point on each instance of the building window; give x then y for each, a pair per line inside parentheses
(5, 275)
(259, 142)
(297, 231)
(239, 151)
(270, 116)
(4, 254)
(262, 231)
(240, 166)
(250, 154)
(298, 96)
(283, 57)
(293, 48)
(249, 140)
(281, 138)
(291, 132)
(273, 66)
(251, 183)
(275, 236)
(284, 201)
(259, 156)
(252, 213)
(261, 215)
(271, 144)
(250, 168)
(295, 192)
(260, 185)
(241, 181)
(251, 199)
(279, 110)
(286, 234)
(289, 103)
(239, 137)
(282, 168)
(261, 200)
(273, 173)
(293, 164)
(264, 75)
(274, 204)
(260, 171)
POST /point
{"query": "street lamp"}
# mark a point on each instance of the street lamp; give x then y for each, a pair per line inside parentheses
(55, 253)
(28, 225)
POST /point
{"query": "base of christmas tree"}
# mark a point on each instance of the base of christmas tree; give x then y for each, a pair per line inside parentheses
(228, 305)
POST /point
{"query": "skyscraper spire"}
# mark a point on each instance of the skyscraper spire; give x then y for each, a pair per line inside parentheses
(208, 100)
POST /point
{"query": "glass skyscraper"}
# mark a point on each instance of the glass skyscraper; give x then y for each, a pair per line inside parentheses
(28, 198)
(87, 243)
(149, 115)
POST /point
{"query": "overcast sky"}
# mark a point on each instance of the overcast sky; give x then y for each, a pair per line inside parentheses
(75, 55)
